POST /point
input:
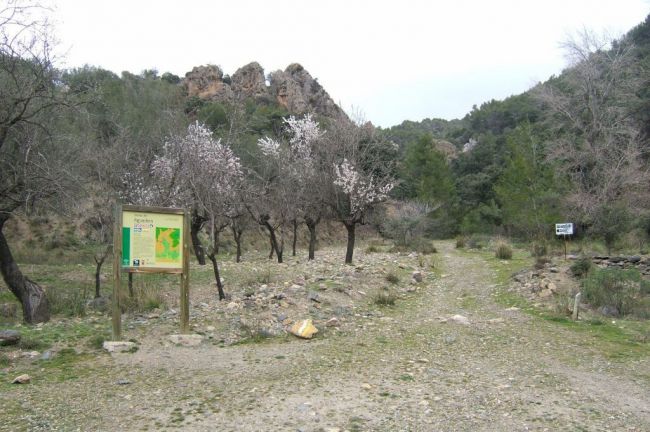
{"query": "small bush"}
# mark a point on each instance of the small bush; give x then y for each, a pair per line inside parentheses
(372, 249)
(476, 242)
(580, 268)
(503, 251)
(539, 249)
(29, 344)
(541, 262)
(69, 302)
(613, 288)
(461, 242)
(97, 341)
(385, 297)
(425, 247)
(392, 278)
(147, 296)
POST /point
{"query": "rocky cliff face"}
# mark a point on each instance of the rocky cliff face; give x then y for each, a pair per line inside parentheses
(294, 88)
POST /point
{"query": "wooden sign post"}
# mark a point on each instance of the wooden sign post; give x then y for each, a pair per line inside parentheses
(564, 230)
(151, 240)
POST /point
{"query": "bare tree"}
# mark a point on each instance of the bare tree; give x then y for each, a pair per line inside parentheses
(30, 163)
(598, 144)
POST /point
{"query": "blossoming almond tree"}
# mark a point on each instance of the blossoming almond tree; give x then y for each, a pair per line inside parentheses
(362, 179)
(290, 171)
(206, 175)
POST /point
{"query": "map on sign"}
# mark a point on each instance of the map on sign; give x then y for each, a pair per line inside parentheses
(152, 240)
(168, 244)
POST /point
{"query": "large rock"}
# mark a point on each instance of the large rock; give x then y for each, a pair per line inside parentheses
(22, 379)
(303, 329)
(9, 337)
(119, 346)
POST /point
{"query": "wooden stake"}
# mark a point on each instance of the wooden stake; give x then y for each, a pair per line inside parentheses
(117, 264)
(185, 276)
(576, 306)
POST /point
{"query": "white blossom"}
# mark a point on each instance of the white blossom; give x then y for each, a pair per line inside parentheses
(361, 191)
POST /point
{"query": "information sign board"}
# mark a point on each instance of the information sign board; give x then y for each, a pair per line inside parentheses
(564, 229)
(152, 241)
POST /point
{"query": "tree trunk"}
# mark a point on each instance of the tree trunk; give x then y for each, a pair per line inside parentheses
(130, 284)
(196, 225)
(274, 242)
(295, 237)
(311, 225)
(215, 266)
(350, 248)
(99, 261)
(36, 308)
(272, 251)
(237, 233)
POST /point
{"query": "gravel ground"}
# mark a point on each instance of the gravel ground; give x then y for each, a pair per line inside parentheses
(446, 357)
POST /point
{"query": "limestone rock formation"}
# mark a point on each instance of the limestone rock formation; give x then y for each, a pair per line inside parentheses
(294, 88)
(299, 93)
(249, 81)
(206, 82)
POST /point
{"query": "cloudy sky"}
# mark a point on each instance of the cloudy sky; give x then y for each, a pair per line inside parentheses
(392, 60)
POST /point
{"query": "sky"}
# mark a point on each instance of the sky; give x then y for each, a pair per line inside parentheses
(390, 60)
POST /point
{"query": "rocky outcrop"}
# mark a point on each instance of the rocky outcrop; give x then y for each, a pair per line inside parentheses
(249, 82)
(294, 88)
(297, 91)
(206, 82)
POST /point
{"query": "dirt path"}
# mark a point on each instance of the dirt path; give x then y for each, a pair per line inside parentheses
(410, 369)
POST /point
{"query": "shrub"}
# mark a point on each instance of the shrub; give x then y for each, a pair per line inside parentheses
(540, 262)
(385, 297)
(613, 288)
(372, 249)
(392, 278)
(581, 266)
(460, 242)
(70, 302)
(503, 251)
(539, 249)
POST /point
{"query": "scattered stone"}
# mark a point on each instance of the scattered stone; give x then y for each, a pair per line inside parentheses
(332, 322)
(118, 346)
(232, 305)
(9, 337)
(417, 276)
(634, 259)
(22, 379)
(47, 355)
(31, 354)
(551, 287)
(123, 382)
(459, 319)
(303, 329)
(545, 293)
(554, 270)
(513, 309)
(100, 304)
(496, 321)
(188, 340)
(366, 386)
(313, 296)
(610, 311)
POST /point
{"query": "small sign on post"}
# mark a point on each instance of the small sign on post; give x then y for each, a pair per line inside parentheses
(564, 230)
(150, 240)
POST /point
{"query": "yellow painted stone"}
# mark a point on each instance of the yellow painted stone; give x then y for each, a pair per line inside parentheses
(304, 329)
